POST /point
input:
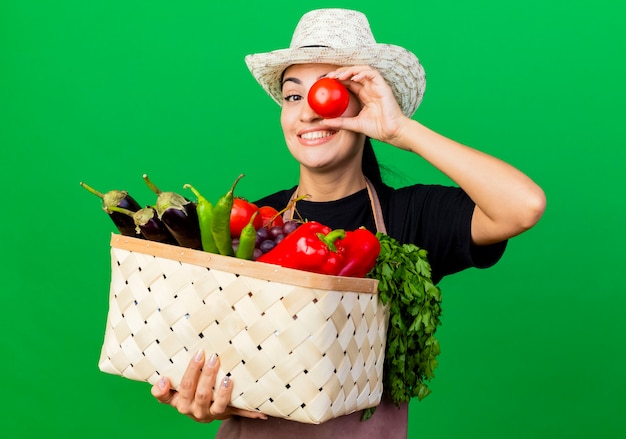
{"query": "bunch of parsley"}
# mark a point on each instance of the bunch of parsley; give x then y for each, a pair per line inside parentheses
(414, 301)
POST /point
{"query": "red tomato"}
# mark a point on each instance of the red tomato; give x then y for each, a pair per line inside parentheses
(240, 216)
(328, 97)
(267, 213)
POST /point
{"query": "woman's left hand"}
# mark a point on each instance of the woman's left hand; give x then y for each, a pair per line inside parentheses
(381, 117)
(507, 201)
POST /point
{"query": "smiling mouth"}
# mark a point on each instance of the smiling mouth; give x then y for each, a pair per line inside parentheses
(314, 135)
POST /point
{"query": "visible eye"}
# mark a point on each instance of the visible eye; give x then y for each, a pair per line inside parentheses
(292, 98)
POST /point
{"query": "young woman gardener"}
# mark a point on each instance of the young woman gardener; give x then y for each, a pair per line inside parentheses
(463, 226)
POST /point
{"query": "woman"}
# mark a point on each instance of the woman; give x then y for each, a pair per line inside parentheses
(460, 227)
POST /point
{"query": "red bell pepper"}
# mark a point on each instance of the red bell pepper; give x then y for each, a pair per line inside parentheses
(311, 247)
(317, 248)
(361, 249)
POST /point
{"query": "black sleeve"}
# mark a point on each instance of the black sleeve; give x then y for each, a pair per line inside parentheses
(438, 219)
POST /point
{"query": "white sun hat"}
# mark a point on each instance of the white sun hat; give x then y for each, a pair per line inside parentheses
(342, 37)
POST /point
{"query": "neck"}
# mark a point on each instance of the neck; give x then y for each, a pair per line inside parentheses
(330, 187)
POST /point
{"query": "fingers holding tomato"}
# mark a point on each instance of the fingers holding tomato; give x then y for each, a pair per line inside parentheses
(366, 83)
(380, 116)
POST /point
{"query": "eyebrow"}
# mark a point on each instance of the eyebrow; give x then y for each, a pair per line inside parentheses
(295, 80)
(291, 79)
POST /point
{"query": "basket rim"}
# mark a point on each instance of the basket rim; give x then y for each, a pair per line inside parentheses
(244, 267)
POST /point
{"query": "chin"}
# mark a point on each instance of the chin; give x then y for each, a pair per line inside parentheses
(316, 166)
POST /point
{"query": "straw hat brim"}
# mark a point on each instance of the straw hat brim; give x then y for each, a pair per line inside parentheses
(400, 68)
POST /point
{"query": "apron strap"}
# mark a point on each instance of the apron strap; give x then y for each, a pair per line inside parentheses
(375, 202)
(378, 212)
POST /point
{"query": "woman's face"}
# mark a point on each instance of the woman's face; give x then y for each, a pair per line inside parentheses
(311, 143)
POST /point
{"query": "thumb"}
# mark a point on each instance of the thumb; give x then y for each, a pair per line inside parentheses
(162, 392)
(341, 123)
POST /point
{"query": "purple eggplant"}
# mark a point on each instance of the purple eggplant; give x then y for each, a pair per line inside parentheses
(148, 223)
(179, 216)
(121, 199)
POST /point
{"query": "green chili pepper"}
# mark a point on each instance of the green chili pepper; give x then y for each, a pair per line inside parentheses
(247, 240)
(220, 227)
(205, 218)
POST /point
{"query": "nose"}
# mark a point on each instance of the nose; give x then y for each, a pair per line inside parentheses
(306, 112)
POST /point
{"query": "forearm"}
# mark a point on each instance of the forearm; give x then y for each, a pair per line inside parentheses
(508, 202)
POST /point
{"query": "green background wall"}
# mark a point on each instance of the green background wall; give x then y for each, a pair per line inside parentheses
(104, 91)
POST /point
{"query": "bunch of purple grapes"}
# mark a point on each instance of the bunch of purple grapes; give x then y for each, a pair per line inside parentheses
(267, 239)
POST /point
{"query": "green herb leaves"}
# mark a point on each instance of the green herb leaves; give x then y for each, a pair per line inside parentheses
(405, 284)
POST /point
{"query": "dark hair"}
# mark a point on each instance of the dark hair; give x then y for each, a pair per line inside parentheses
(370, 165)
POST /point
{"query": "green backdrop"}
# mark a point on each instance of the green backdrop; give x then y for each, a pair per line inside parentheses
(104, 91)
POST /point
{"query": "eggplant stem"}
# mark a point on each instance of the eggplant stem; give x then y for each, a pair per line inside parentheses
(151, 185)
(120, 210)
(92, 190)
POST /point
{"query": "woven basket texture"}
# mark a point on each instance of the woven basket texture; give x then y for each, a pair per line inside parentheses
(299, 346)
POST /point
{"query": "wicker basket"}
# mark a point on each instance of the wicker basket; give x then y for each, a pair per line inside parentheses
(297, 345)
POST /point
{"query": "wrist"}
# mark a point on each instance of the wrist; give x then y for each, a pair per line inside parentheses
(404, 136)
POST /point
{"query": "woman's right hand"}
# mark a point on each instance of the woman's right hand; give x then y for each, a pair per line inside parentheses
(194, 397)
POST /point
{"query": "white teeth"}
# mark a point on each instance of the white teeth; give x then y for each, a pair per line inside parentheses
(316, 135)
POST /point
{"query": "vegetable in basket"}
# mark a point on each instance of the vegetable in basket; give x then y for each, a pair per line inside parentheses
(247, 239)
(204, 210)
(179, 216)
(121, 199)
(147, 222)
(220, 226)
(361, 248)
(405, 284)
(270, 217)
(311, 247)
(317, 248)
(240, 216)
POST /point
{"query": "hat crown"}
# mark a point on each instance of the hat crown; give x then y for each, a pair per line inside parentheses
(334, 28)
(341, 37)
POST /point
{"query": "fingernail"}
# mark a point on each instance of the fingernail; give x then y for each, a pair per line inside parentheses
(225, 381)
(212, 360)
(162, 383)
(199, 355)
